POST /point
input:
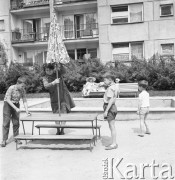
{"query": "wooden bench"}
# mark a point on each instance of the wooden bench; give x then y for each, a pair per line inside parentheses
(124, 88)
(96, 94)
(89, 138)
(39, 126)
(128, 88)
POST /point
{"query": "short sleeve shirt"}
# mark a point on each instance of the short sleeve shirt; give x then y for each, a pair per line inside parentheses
(144, 99)
(110, 92)
(14, 94)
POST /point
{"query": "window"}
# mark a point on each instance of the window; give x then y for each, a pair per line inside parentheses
(2, 27)
(81, 53)
(92, 52)
(79, 25)
(68, 27)
(127, 14)
(166, 10)
(167, 49)
(28, 58)
(35, 56)
(125, 51)
(71, 53)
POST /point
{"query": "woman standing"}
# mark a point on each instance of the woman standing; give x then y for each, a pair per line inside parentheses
(50, 82)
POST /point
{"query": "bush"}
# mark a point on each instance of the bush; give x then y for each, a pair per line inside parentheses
(33, 77)
(159, 72)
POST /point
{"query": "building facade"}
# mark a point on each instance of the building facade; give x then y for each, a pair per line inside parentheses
(136, 28)
(112, 30)
(5, 38)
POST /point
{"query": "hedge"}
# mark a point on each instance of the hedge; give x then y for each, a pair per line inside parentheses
(160, 74)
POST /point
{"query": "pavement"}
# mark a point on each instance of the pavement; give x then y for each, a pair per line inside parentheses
(52, 160)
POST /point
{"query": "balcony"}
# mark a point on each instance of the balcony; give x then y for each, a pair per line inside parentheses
(26, 36)
(63, 5)
(82, 31)
(20, 4)
(72, 33)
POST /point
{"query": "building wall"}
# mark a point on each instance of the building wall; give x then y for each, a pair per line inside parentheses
(153, 31)
(5, 34)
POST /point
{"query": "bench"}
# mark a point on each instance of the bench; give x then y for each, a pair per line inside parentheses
(67, 126)
(124, 88)
(89, 138)
(128, 88)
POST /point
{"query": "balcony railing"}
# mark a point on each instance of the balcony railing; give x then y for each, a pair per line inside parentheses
(80, 31)
(68, 32)
(57, 2)
(24, 35)
(20, 4)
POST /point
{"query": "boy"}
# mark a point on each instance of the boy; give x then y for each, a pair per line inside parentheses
(11, 108)
(110, 109)
(143, 107)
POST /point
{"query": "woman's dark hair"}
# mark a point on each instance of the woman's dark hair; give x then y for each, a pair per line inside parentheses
(49, 66)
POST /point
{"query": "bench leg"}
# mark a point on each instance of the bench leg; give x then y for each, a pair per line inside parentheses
(39, 131)
(90, 146)
(32, 127)
(23, 128)
(16, 145)
(96, 127)
(99, 133)
(94, 141)
(92, 128)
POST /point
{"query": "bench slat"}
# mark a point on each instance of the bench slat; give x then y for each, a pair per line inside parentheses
(64, 126)
(54, 137)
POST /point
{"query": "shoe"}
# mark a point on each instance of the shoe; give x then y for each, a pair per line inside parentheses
(148, 132)
(18, 142)
(62, 132)
(3, 144)
(111, 147)
(58, 132)
(141, 135)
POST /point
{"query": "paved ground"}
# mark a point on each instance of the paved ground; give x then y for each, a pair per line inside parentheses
(57, 161)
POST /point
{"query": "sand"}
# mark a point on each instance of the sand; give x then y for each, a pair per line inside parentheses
(50, 160)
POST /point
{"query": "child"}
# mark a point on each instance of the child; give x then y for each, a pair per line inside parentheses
(89, 86)
(11, 108)
(110, 109)
(143, 107)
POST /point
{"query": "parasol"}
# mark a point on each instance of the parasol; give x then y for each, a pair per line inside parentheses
(57, 52)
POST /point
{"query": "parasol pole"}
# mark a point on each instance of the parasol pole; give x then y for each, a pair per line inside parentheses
(58, 89)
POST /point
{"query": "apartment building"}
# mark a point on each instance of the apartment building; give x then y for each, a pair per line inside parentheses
(135, 28)
(5, 40)
(29, 23)
(112, 30)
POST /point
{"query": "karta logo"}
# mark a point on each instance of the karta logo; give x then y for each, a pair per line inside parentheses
(152, 171)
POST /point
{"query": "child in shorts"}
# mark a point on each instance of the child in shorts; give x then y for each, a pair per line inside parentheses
(110, 109)
(143, 107)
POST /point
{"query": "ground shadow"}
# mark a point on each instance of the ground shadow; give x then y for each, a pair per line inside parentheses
(106, 140)
(56, 148)
(136, 130)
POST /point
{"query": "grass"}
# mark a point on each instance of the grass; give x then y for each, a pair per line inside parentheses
(79, 94)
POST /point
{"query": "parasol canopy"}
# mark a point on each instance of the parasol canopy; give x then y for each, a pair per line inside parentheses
(56, 49)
